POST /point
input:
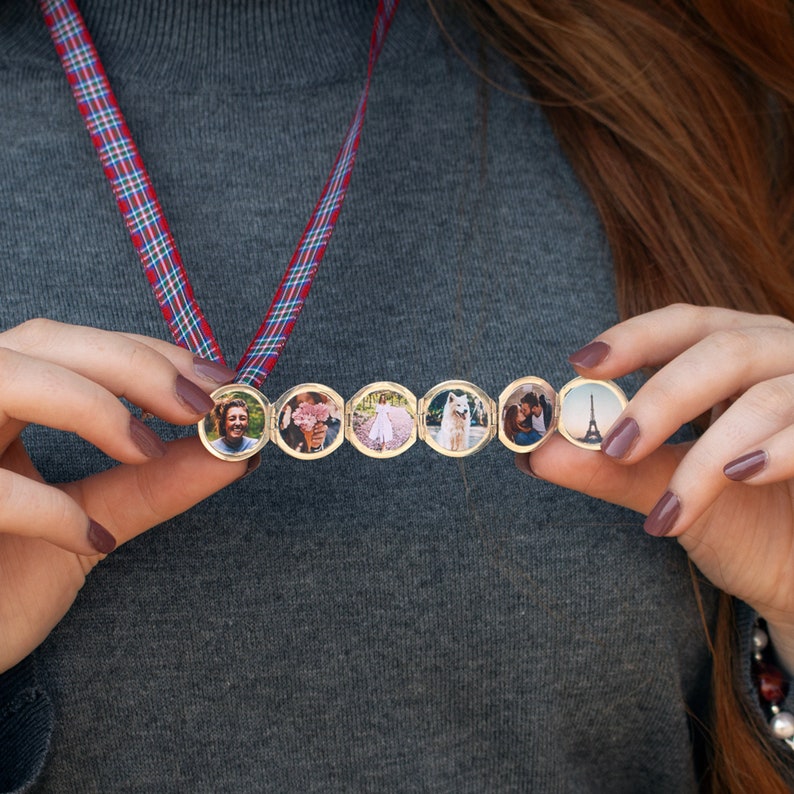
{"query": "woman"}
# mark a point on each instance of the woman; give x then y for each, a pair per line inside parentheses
(515, 430)
(231, 423)
(381, 431)
(624, 127)
(476, 630)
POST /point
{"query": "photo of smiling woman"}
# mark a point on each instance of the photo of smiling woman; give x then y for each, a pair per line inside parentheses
(231, 420)
(237, 426)
(231, 423)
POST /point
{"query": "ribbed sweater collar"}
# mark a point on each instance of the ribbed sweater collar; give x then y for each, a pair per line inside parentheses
(233, 43)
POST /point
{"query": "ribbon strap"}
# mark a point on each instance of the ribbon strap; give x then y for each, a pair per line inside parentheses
(146, 223)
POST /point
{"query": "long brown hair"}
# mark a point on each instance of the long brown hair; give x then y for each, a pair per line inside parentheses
(677, 116)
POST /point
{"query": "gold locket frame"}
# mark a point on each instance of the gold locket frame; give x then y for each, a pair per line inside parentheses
(455, 418)
(256, 402)
(595, 398)
(368, 432)
(299, 439)
(572, 412)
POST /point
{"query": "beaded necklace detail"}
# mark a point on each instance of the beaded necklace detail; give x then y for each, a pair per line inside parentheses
(772, 687)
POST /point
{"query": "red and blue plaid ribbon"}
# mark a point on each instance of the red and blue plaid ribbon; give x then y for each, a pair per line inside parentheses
(146, 222)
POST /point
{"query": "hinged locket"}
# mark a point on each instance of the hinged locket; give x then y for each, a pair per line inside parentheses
(383, 419)
(239, 424)
(583, 412)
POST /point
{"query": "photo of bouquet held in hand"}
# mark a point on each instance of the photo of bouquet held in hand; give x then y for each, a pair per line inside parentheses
(310, 421)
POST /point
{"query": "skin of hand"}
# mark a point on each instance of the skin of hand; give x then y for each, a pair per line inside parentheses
(728, 498)
(70, 378)
(318, 435)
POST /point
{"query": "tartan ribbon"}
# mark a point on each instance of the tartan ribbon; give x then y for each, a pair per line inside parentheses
(146, 223)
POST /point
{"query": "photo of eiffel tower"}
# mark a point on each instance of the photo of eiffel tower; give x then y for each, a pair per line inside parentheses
(593, 435)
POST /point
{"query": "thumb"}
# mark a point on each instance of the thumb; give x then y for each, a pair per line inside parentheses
(129, 499)
(637, 487)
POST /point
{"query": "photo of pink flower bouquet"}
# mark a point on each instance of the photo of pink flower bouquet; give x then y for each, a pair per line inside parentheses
(310, 420)
(306, 417)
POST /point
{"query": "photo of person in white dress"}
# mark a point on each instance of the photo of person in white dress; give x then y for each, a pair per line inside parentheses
(382, 431)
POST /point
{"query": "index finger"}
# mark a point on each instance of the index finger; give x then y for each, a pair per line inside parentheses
(717, 368)
(653, 339)
(162, 379)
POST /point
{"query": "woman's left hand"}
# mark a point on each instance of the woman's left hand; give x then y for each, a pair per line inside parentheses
(728, 497)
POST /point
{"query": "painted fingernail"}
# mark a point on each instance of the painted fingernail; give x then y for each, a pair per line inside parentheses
(191, 396)
(590, 355)
(746, 466)
(621, 439)
(146, 439)
(100, 538)
(662, 518)
(213, 371)
(523, 464)
(253, 465)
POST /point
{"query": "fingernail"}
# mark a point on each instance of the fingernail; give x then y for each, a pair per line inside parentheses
(590, 355)
(523, 464)
(100, 538)
(253, 465)
(663, 516)
(621, 439)
(746, 466)
(146, 439)
(192, 396)
(213, 371)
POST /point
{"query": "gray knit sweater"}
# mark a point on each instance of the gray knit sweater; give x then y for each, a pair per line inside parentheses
(346, 624)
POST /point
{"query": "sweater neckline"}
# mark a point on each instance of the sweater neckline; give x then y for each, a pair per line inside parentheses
(245, 45)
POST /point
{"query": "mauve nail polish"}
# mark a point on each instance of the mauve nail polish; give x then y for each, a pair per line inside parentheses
(192, 396)
(146, 439)
(663, 516)
(746, 466)
(590, 355)
(253, 465)
(213, 371)
(100, 538)
(621, 438)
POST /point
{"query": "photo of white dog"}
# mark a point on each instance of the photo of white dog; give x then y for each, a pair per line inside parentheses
(455, 423)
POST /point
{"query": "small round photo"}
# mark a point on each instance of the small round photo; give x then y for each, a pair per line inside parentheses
(382, 420)
(588, 409)
(237, 426)
(457, 418)
(527, 414)
(309, 421)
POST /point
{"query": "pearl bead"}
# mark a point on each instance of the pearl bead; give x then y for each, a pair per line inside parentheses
(782, 725)
(760, 639)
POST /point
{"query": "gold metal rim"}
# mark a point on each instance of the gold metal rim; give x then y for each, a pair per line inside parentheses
(216, 396)
(338, 413)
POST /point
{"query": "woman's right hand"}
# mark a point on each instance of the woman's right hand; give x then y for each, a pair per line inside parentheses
(70, 378)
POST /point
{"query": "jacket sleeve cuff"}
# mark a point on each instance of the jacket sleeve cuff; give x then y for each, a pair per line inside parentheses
(26, 723)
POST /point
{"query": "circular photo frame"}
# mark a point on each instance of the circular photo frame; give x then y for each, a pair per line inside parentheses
(308, 421)
(238, 425)
(527, 411)
(381, 420)
(456, 418)
(588, 409)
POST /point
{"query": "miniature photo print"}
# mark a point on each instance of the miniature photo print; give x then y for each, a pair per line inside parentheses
(383, 422)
